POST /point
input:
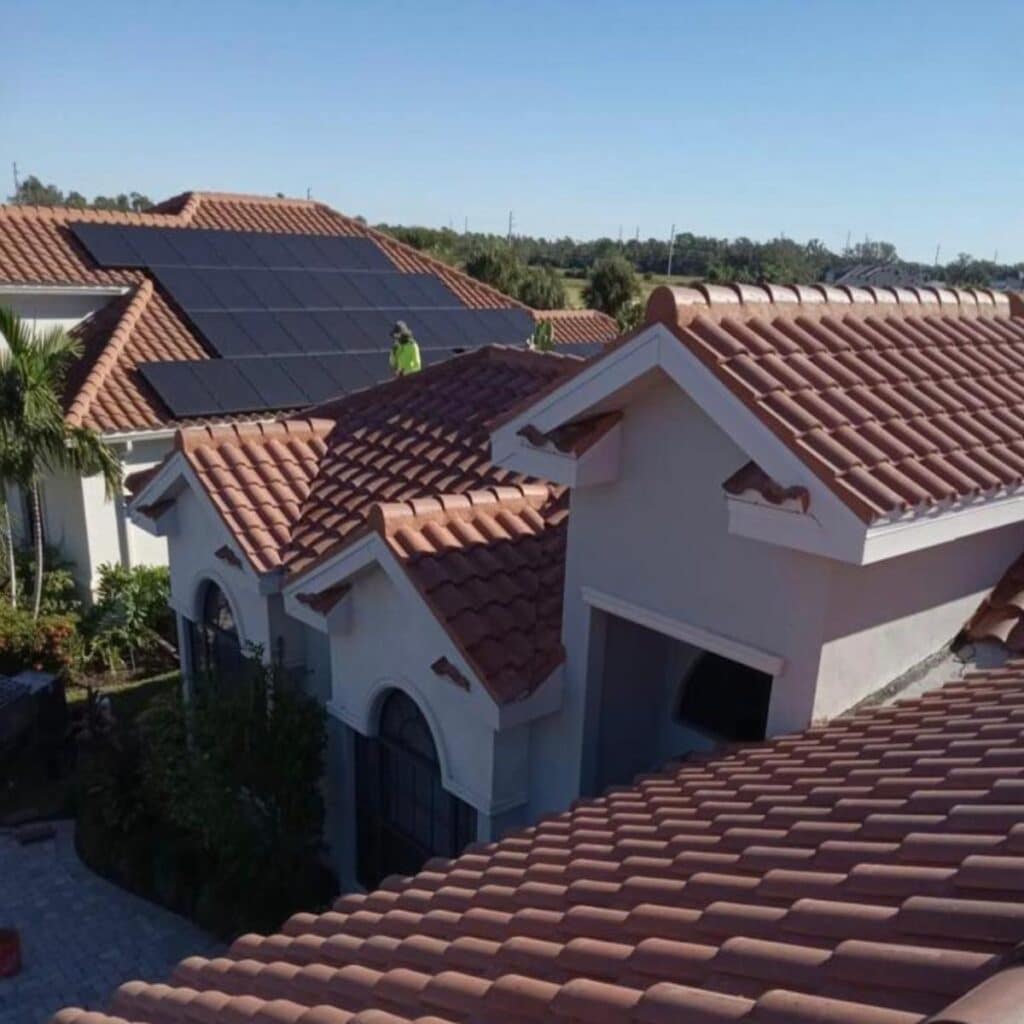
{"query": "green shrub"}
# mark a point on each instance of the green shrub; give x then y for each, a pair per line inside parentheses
(214, 808)
(131, 614)
(46, 643)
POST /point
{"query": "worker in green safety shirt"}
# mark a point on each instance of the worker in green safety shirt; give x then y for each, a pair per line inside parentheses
(405, 353)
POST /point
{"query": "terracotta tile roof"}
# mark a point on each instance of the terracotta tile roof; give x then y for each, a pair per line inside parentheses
(1000, 616)
(295, 492)
(870, 871)
(37, 247)
(900, 400)
(578, 326)
(491, 566)
(257, 475)
(415, 437)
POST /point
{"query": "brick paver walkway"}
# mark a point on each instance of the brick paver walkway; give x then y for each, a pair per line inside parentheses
(81, 936)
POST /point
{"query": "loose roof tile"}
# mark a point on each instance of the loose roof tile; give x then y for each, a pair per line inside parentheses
(108, 392)
(649, 905)
(900, 400)
(1000, 617)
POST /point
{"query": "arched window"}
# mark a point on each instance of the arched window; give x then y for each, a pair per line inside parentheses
(404, 815)
(216, 648)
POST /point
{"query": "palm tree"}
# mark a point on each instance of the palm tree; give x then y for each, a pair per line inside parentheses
(34, 437)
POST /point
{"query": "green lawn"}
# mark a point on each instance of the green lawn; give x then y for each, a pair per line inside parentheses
(127, 698)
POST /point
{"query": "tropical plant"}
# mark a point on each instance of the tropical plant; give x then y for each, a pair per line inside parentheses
(34, 437)
(131, 614)
(213, 807)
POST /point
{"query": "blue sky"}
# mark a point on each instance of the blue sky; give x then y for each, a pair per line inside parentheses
(897, 120)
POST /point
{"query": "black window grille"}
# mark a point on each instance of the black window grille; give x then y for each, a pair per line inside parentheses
(726, 698)
(404, 816)
(215, 645)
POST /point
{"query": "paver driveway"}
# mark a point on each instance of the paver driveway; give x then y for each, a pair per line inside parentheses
(81, 936)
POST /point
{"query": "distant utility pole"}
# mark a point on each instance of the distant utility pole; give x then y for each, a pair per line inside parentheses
(637, 236)
(511, 225)
(17, 184)
(309, 193)
(847, 247)
(671, 246)
(620, 236)
(465, 225)
(938, 249)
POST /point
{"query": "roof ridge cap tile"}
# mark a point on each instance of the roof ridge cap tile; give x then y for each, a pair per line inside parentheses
(678, 305)
(108, 357)
(241, 432)
(387, 517)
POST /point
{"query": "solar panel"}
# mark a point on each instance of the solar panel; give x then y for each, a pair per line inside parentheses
(250, 288)
(107, 245)
(120, 245)
(254, 333)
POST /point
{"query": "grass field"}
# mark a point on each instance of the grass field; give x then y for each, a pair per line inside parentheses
(574, 286)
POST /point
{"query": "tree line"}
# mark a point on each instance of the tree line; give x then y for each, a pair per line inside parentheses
(534, 269)
(701, 257)
(31, 191)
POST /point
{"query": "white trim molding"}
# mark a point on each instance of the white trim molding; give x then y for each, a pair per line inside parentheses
(727, 647)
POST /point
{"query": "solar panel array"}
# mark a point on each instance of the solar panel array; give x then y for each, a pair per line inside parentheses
(119, 245)
(295, 319)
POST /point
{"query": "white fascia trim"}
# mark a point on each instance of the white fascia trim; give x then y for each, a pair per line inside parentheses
(132, 436)
(773, 524)
(892, 539)
(599, 464)
(64, 289)
(599, 379)
(735, 650)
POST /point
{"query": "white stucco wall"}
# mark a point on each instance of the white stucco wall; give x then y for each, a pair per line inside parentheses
(91, 529)
(657, 537)
(884, 618)
(391, 642)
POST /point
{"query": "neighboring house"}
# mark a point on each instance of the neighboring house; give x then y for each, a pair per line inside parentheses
(165, 303)
(875, 275)
(780, 502)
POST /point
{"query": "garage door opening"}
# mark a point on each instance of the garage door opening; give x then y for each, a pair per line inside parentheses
(725, 699)
(662, 698)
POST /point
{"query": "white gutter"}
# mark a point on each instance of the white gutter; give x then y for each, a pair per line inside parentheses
(63, 289)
